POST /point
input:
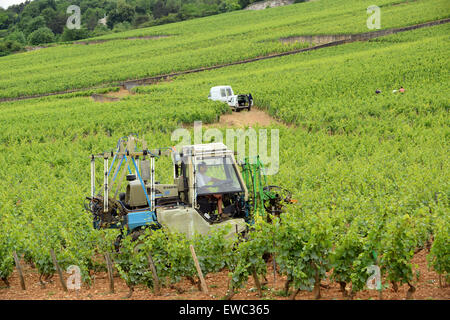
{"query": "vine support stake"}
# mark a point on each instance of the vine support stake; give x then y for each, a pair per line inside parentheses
(199, 270)
(294, 294)
(58, 269)
(154, 274)
(109, 266)
(230, 291)
(19, 270)
(257, 283)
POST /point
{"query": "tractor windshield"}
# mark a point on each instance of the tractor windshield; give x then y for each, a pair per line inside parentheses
(217, 175)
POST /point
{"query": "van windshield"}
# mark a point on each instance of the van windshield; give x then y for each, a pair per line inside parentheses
(229, 92)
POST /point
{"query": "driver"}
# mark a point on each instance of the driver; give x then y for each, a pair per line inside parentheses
(203, 180)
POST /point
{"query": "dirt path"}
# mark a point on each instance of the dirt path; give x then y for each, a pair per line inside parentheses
(427, 288)
(246, 118)
(111, 96)
(87, 42)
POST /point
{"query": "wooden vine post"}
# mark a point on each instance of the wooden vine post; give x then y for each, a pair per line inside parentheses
(257, 283)
(58, 269)
(156, 286)
(199, 270)
(109, 267)
(19, 270)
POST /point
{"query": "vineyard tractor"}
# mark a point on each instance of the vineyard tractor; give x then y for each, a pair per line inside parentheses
(205, 176)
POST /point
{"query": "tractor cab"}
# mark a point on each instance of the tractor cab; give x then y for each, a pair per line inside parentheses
(206, 173)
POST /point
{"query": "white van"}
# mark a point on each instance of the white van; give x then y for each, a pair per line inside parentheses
(226, 94)
(221, 93)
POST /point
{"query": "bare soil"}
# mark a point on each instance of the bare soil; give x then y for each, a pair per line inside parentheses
(119, 94)
(129, 38)
(111, 96)
(316, 39)
(427, 288)
(246, 118)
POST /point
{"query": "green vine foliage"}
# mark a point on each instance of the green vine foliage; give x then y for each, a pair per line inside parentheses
(179, 257)
(439, 258)
(398, 243)
(346, 250)
(213, 251)
(369, 228)
(302, 247)
(249, 253)
(132, 264)
(6, 257)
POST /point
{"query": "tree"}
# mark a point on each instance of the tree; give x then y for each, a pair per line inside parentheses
(57, 23)
(91, 18)
(100, 30)
(9, 46)
(35, 24)
(159, 9)
(31, 10)
(140, 19)
(122, 26)
(17, 36)
(41, 35)
(123, 13)
(49, 15)
(74, 34)
(5, 20)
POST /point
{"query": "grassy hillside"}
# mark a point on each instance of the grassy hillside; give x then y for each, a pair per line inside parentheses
(196, 43)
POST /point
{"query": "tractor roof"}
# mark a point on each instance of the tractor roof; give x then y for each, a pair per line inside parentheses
(198, 149)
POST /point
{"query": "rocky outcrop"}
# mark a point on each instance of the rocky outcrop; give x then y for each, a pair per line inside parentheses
(268, 3)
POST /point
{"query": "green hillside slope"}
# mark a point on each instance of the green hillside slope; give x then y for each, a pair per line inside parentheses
(197, 43)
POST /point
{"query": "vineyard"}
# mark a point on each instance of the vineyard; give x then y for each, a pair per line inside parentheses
(197, 43)
(370, 171)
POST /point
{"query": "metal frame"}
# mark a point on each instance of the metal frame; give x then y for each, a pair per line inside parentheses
(125, 150)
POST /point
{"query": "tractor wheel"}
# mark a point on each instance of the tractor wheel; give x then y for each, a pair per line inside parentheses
(135, 234)
(117, 243)
(139, 243)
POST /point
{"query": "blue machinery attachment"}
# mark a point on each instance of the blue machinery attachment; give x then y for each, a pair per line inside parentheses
(125, 150)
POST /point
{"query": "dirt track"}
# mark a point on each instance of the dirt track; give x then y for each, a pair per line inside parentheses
(246, 118)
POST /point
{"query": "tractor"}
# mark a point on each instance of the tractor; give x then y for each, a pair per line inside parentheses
(209, 190)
